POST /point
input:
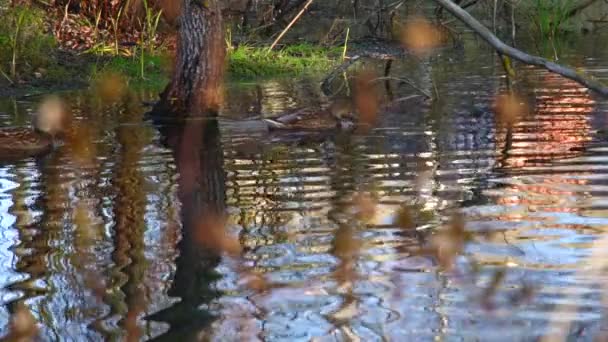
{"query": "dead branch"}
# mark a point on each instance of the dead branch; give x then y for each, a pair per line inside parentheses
(406, 81)
(519, 55)
(340, 69)
(293, 21)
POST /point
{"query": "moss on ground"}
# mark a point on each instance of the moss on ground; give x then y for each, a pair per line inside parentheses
(248, 62)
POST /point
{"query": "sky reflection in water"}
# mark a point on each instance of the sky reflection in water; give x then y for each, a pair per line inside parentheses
(95, 248)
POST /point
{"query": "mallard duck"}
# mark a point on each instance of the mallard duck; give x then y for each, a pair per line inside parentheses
(22, 142)
(337, 116)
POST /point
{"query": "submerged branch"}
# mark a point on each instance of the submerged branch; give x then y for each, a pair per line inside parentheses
(406, 81)
(519, 55)
(340, 69)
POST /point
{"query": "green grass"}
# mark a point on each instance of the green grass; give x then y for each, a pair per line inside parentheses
(24, 42)
(244, 63)
(247, 62)
(155, 75)
(551, 16)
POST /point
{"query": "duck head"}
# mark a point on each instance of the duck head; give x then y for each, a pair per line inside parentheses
(343, 111)
(51, 117)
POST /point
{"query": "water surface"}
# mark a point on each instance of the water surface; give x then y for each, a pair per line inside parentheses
(99, 241)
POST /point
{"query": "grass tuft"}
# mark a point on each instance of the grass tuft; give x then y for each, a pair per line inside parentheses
(248, 62)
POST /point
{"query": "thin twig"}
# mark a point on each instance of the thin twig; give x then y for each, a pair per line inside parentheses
(345, 43)
(404, 80)
(407, 98)
(6, 76)
(293, 21)
(326, 84)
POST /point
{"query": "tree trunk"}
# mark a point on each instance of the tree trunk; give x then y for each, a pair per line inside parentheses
(196, 85)
(195, 90)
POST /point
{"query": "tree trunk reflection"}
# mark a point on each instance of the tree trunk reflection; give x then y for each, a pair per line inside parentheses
(198, 155)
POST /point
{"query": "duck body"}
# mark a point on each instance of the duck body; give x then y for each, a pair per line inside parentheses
(21, 142)
(312, 119)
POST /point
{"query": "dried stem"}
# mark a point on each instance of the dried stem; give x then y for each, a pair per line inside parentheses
(293, 21)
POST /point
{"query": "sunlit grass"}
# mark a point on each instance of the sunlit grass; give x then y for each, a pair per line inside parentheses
(251, 62)
(244, 62)
(130, 68)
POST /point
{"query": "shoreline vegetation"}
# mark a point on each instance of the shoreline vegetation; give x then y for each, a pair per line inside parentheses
(49, 46)
(36, 56)
(70, 70)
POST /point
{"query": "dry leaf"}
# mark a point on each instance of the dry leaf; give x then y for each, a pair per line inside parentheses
(419, 35)
(211, 233)
(345, 244)
(52, 115)
(256, 281)
(447, 244)
(509, 107)
(366, 100)
(22, 325)
(110, 86)
(365, 206)
(405, 219)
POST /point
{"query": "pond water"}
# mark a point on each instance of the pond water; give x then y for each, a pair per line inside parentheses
(105, 237)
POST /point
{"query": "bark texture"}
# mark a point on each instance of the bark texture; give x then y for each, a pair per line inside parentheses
(196, 85)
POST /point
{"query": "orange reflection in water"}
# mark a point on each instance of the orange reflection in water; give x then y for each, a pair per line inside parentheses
(558, 128)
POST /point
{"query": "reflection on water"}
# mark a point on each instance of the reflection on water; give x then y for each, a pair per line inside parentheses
(110, 236)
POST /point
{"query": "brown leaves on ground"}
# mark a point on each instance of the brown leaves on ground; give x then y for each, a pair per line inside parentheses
(86, 24)
(419, 35)
(22, 325)
(171, 10)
